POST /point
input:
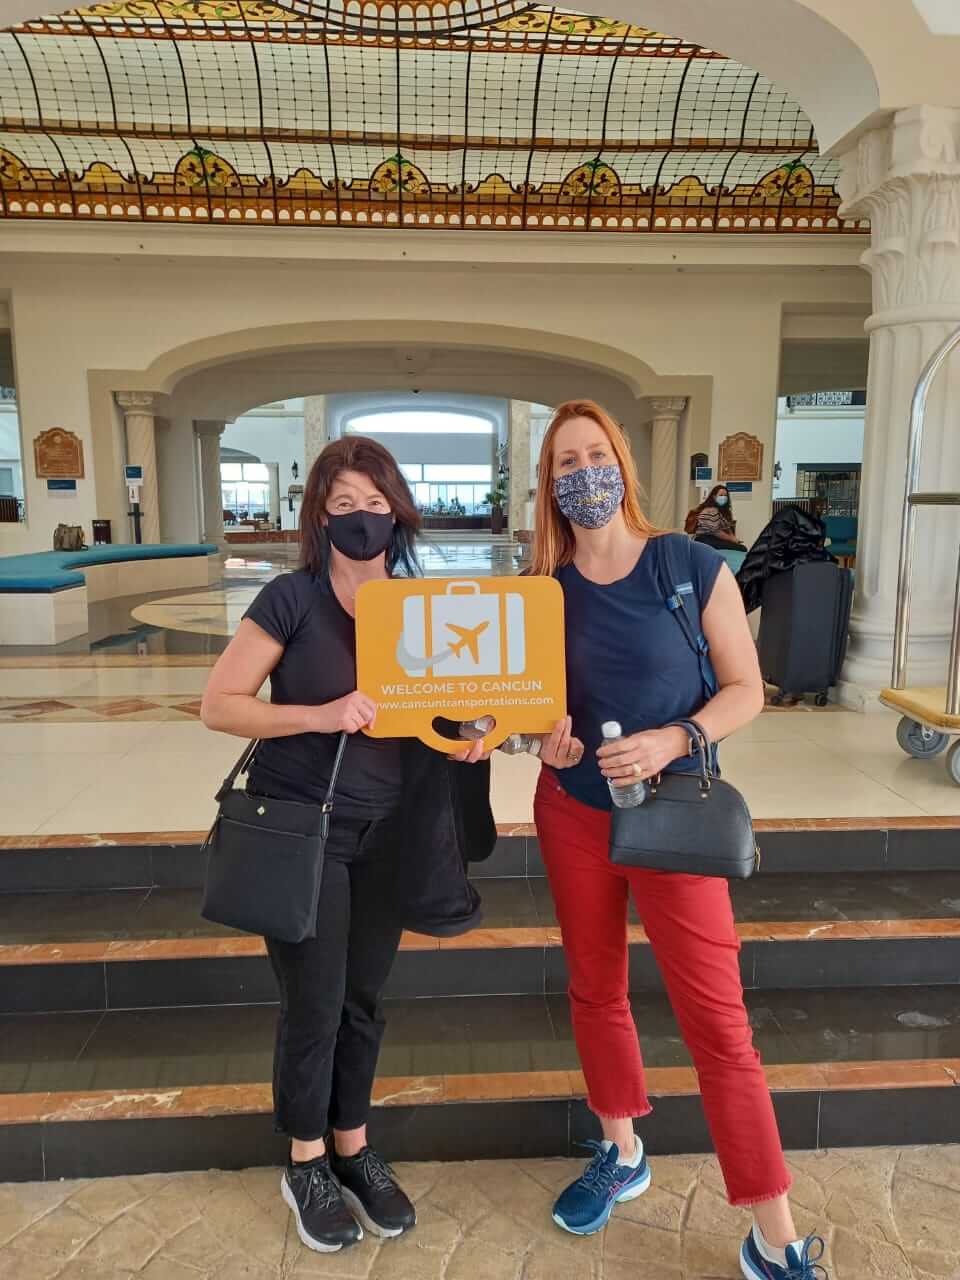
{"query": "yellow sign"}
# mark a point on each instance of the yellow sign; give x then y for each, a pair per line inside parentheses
(430, 648)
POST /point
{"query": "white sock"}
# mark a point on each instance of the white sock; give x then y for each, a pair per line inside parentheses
(635, 1159)
(768, 1252)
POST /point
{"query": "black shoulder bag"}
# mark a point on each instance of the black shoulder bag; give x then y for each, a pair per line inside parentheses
(266, 858)
(690, 823)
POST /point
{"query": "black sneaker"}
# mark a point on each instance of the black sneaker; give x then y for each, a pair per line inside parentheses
(371, 1191)
(324, 1223)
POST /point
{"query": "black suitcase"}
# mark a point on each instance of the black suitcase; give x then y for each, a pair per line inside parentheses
(804, 622)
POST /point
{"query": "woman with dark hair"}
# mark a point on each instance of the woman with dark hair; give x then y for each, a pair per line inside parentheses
(398, 843)
(715, 525)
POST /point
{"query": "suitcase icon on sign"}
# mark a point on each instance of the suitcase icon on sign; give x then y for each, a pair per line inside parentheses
(464, 632)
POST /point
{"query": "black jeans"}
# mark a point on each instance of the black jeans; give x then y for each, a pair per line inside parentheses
(331, 1019)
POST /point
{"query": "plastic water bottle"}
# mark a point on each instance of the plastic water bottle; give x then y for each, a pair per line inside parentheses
(625, 795)
(519, 744)
(473, 730)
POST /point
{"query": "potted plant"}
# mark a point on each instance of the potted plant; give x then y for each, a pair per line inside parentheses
(497, 500)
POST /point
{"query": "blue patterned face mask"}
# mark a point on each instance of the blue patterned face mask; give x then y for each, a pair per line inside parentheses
(590, 497)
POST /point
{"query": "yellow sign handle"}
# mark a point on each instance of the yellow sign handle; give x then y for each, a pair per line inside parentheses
(454, 746)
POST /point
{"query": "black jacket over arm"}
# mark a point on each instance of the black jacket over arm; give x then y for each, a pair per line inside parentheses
(443, 823)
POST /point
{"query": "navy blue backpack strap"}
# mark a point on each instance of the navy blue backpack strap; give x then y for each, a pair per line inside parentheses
(680, 597)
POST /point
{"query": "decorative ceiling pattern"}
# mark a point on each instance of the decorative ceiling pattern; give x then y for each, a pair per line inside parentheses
(465, 114)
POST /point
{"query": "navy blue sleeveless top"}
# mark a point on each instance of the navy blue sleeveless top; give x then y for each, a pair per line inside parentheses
(627, 658)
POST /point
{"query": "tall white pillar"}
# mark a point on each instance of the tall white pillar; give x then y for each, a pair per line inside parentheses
(905, 178)
(273, 471)
(315, 433)
(665, 436)
(211, 488)
(139, 413)
(519, 482)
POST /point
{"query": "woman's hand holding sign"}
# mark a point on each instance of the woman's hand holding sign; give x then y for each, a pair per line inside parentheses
(347, 715)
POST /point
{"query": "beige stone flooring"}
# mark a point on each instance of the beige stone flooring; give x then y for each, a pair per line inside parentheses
(884, 1213)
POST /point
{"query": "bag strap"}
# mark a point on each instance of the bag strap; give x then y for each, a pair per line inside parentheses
(242, 765)
(246, 759)
(680, 597)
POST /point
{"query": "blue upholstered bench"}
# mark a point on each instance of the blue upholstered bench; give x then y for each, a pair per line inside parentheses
(58, 570)
(734, 559)
(44, 595)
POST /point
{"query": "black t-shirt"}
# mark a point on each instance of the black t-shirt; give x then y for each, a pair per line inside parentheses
(318, 665)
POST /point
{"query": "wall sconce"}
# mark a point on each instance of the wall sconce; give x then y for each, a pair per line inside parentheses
(777, 471)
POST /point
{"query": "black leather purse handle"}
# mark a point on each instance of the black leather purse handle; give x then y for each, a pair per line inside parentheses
(246, 759)
(702, 746)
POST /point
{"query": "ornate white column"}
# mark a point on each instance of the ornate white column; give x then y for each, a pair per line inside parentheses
(139, 413)
(315, 434)
(211, 489)
(519, 482)
(273, 470)
(665, 435)
(905, 178)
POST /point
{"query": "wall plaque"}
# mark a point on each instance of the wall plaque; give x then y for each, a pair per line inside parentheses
(741, 458)
(58, 455)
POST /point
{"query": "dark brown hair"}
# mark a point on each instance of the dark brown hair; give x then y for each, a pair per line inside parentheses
(358, 453)
(726, 513)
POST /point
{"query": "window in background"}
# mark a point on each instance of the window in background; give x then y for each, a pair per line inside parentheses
(450, 472)
(245, 490)
(838, 484)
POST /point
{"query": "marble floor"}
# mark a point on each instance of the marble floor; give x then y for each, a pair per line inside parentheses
(881, 1212)
(119, 756)
(103, 735)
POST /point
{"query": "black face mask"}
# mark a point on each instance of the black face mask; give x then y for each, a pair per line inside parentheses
(360, 535)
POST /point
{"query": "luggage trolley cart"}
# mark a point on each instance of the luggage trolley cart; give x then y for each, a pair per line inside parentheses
(931, 716)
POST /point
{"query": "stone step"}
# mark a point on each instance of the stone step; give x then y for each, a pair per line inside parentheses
(172, 859)
(145, 947)
(88, 1094)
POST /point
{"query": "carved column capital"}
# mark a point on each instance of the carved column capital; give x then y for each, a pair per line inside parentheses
(905, 177)
(209, 427)
(668, 407)
(137, 401)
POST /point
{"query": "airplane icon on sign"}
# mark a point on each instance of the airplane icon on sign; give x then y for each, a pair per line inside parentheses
(469, 636)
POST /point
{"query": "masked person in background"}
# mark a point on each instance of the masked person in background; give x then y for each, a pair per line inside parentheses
(405, 822)
(713, 521)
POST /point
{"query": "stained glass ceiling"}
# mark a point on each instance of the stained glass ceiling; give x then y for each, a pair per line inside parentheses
(466, 114)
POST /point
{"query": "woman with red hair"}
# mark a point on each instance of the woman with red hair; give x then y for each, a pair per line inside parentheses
(628, 661)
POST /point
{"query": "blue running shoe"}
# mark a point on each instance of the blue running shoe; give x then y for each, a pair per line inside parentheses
(586, 1205)
(803, 1261)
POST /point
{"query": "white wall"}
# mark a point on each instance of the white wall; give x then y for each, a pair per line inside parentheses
(273, 433)
(10, 444)
(471, 450)
(814, 435)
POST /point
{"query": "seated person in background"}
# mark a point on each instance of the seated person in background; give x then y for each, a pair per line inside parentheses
(715, 524)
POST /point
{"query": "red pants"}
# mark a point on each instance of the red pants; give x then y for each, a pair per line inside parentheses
(689, 921)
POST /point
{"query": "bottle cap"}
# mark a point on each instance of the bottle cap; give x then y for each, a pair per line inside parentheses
(611, 730)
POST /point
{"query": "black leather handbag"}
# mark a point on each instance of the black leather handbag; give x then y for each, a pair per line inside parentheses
(265, 861)
(691, 823)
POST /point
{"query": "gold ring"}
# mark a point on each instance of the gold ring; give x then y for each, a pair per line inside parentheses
(637, 771)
